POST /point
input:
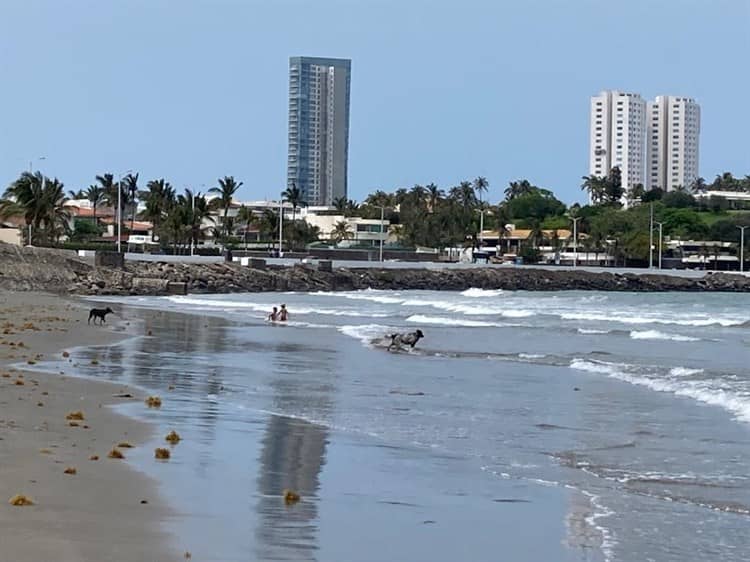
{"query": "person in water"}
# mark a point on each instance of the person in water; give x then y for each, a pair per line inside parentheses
(283, 313)
(274, 316)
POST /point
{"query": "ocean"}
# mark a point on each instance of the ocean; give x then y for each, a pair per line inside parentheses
(524, 426)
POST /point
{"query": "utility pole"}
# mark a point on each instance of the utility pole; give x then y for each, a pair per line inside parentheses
(660, 239)
(651, 239)
(381, 233)
(742, 248)
(575, 240)
(281, 225)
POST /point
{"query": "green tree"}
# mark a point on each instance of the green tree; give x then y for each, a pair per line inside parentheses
(226, 190)
(294, 196)
(95, 195)
(341, 231)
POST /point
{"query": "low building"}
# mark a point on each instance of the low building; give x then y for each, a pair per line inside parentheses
(363, 232)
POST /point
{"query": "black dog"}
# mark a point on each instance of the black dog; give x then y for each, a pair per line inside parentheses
(410, 339)
(99, 313)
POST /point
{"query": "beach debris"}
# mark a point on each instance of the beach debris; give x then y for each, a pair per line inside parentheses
(170, 387)
(5, 375)
(70, 470)
(144, 502)
(40, 404)
(94, 458)
(149, 332)
(115, 454)
(19, 382)
(123, 395)
(124, 445)
(76, 415)
(291, 497)
(188, 556)
(162, 453)
(31, 362)
(74, 424)
(575, 388)
(45, 393)
(86, 427)
(65, 354)
(20, 500)
(94, 361)
(45, 451)
(153, 402)
(173, 437)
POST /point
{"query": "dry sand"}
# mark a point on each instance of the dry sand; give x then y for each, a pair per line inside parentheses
(97, 513)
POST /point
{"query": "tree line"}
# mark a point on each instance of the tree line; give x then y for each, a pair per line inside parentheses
(423, 215)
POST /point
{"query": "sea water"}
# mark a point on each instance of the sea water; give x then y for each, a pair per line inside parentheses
(553, 425)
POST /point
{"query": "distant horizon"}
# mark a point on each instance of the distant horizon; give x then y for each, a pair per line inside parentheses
(200, 92)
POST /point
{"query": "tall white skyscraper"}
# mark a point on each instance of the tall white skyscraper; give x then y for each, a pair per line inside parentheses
(673, 131)
(617, 136)
(319, 128)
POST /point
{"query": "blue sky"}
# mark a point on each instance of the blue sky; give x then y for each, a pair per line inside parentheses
(191, 90)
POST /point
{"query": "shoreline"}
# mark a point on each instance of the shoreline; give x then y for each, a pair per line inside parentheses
(96, 513)
(63, 272)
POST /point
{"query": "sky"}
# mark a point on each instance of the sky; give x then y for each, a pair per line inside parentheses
(442, 90)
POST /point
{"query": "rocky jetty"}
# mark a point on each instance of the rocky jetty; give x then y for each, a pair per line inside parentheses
(63, 272)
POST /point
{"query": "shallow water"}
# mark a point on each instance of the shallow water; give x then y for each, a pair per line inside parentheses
(556, 426)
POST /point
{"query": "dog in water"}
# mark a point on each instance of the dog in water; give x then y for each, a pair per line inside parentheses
(99, 313)
(411, 338)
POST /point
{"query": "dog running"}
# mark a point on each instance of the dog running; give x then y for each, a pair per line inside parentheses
(99, 313)
(411, 338)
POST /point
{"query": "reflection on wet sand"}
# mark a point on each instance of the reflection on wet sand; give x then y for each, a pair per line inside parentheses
(292, 457)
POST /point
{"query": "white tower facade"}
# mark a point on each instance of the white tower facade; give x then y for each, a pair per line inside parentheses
(672, 146)
(617, 135)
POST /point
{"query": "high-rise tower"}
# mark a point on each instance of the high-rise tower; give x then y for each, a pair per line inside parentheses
(319, 128)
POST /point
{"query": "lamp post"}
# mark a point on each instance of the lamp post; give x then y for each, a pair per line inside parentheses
(742, 248)
(192, 230)
(651, 239)
(382, 212)
(281, 225)
(659, 224)
(119, 208)
(575, 239)
(31, 171)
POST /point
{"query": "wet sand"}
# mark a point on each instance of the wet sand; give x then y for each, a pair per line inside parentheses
(106, 511)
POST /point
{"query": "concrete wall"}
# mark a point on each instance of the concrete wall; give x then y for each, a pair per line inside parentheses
(11, 236)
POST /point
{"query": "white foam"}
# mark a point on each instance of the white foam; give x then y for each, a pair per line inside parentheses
(475, 292)
(734, 401)
(445, 321)
(656, 335)
(681, 321)
(228, 305)
(531, 355)
(365, 332)
(684, 372)
(592, 331)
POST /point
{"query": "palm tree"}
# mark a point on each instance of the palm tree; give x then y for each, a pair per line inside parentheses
(95, 195)
(80, 194)
(435, 194)
(596, 186)
(109, 188)
(341, 231)
(517, 188)
(294, 196)
(130, 185)
(226, 190)
(481, 185)
(246, 217)
(159, 198)
(40, 200)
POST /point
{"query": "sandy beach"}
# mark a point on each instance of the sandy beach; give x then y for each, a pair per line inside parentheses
(106, 511)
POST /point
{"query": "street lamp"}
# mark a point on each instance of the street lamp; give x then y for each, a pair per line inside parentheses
(651, 238)
(281, 225)
(382, 213)
(119, 207)
(31, 171)
(575, 239)
(659, 224)
(742, 248)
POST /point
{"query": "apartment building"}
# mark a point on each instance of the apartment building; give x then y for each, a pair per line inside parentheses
(319, 128)
(672, 138)
(617, 134)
